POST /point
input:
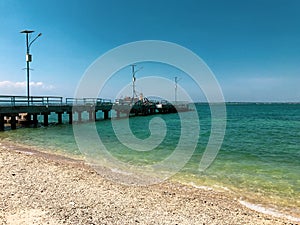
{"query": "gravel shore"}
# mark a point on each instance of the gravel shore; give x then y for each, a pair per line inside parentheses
(40, 188)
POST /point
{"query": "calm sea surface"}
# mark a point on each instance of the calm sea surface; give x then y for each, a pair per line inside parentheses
(259, 160)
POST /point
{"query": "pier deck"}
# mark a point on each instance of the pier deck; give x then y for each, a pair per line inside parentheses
(18, 110)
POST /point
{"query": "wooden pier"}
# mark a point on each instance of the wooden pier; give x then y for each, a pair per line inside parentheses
(18, 110)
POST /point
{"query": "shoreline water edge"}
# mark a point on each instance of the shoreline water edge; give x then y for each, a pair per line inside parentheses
(39, 187)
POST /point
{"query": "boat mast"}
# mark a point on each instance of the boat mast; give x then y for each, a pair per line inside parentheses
(176, 82)
(133, 82)
(176, 90)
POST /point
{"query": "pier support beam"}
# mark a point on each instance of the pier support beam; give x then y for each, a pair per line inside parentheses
(46, 121)
(95, 115)
(91, 115)
(79, 117)
(70, 117)
(13, 122)
(2, 125)
(59, 117)
(28, 120)
(35, 120)
(105, 114)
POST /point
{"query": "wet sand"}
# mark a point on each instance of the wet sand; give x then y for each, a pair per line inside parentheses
(41, 188)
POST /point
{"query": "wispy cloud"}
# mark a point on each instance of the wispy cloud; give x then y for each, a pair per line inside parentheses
(19, 88)
(10, 84)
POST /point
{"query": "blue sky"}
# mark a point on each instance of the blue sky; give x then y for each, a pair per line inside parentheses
(252, 47)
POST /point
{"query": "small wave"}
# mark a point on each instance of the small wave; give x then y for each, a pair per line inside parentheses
(268, 211)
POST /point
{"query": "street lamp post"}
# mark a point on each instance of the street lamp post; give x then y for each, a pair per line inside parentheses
(28, 56)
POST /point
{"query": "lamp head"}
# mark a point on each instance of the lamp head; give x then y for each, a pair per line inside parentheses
(26, 31)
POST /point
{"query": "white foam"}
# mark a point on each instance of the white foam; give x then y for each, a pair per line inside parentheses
(222, 187)
(26, 152)
(200, 187)
(268, 211)
(120, 172)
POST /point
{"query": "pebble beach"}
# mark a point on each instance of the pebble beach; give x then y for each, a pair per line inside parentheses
(42, 188)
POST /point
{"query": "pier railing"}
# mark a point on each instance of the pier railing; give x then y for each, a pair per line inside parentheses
(32, 101)
(6, 100)
(88, 101)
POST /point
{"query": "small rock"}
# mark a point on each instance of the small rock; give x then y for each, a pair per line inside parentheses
(72, 203)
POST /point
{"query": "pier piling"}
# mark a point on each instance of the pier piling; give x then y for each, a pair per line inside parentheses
(91, 115)
(35, 120)
(2, 124)
(59, 117)
(105, 114)
(13, 122)
(70, 117)
(79, 117)
(46, 121)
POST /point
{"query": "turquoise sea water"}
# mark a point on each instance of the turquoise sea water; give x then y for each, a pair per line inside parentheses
(258, 160)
